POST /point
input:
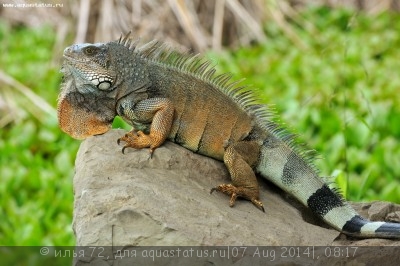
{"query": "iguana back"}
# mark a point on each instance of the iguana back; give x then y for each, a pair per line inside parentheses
(164, 94)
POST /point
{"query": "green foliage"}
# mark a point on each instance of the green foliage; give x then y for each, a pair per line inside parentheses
(36, 162)
(339, 92)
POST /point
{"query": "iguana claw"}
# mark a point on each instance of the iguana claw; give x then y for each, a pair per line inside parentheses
(137, 140)
(128, 138)
(123, 149)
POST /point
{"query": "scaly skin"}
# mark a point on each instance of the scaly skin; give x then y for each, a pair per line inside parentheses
(164, 94)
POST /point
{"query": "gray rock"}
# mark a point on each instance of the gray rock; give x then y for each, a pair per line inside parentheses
(132, 200)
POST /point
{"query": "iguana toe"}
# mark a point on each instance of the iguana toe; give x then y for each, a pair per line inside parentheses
(137, 140)
(235, 192)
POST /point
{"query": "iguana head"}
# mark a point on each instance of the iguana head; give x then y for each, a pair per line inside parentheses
(86, 104)
(92, 62)
(96, 77)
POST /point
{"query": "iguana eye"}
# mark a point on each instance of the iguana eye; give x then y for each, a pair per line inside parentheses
(90, 50)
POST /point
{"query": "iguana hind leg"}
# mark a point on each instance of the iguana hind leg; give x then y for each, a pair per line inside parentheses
(160, 112)
(239, 159)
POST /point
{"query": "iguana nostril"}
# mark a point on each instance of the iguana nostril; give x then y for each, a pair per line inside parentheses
(67, 50)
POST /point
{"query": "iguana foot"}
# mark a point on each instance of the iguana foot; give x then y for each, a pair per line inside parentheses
(137, 140)
(235, 192)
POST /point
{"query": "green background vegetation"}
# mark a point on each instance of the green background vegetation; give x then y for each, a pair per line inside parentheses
(339, 91)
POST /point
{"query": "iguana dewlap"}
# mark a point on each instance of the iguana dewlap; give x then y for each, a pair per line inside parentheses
(165, 94)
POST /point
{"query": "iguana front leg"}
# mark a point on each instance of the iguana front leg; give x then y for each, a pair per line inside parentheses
(157, 111)
(239, 159)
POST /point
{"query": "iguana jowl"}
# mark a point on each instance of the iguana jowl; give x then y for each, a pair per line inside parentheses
(165, 94)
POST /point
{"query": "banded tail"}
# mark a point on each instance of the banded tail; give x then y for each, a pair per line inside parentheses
(287, 169)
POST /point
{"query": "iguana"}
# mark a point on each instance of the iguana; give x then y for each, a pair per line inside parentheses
(165, 94)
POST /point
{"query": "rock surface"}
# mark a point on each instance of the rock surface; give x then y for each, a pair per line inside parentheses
(132, 200)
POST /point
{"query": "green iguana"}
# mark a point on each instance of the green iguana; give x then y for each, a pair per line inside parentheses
(165, 94)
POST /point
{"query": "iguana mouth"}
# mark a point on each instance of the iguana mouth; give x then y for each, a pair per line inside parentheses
(74, 59)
